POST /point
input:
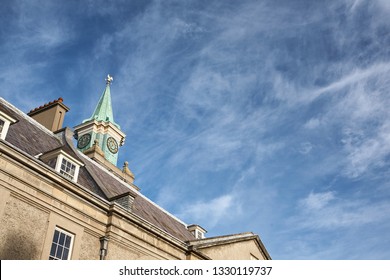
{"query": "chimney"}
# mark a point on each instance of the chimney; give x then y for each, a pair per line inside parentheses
(51, 115)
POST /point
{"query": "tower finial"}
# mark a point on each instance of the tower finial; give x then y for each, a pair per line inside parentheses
(109, 79)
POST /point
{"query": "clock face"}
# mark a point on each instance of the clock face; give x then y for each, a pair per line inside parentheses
(112, 145)
(84, 141)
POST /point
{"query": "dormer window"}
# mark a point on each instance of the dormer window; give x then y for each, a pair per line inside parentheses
(65, 164)
(5, 122)
(197, 231)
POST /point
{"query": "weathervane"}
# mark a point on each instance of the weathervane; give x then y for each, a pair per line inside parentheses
(109, 79)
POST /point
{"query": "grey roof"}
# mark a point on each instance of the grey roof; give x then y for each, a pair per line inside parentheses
(27, 134)
(34, 139)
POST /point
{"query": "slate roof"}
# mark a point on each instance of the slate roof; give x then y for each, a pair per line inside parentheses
(27, 134)
(34, 139)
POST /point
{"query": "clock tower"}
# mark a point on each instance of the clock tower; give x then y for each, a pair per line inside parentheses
(99, 136)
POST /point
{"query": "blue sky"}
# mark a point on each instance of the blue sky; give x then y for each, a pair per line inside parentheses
(263, 116)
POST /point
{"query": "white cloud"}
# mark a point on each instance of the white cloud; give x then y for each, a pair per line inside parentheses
(326, 211)
(312, 123)
(316, 201)
(384, 4)
(210, 213)
(184, 27)
(35, 30)
(206, 93)
(357, 81)
(366, 152)
(305, 148)
(355, 110)
(103, 46)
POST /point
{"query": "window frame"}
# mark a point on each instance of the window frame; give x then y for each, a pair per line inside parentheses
(199, 234)
(67, 168)
(7, 121)
(2, 125)
(58, 244)
(62, 156)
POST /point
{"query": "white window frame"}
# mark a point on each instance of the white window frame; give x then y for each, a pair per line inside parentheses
(2, 125)
(62, 156)
(7, 122)
(197, 231)
(199, 234)
(55, 244)
(67, 168)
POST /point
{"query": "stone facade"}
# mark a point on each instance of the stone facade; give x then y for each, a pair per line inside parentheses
(32, 205)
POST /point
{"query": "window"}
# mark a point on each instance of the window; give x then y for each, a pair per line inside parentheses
(5, 122)
(199, 234)
(61, 246)
(67, 168)
(2, 123)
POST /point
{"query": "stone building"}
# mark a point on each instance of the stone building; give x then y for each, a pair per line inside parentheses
(59, 200)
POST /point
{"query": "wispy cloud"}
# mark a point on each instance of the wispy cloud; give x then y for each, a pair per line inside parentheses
(366, 152)
(33, 30)
(357, 76)
(316, 201)
(271, 111)
(210, 212)
(29, 48)
(327, 211)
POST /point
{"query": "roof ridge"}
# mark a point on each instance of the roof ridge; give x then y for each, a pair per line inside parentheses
(132, 188)
(231, 236)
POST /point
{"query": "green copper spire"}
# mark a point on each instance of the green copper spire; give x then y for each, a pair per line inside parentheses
(103, 110)
(99, 137)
